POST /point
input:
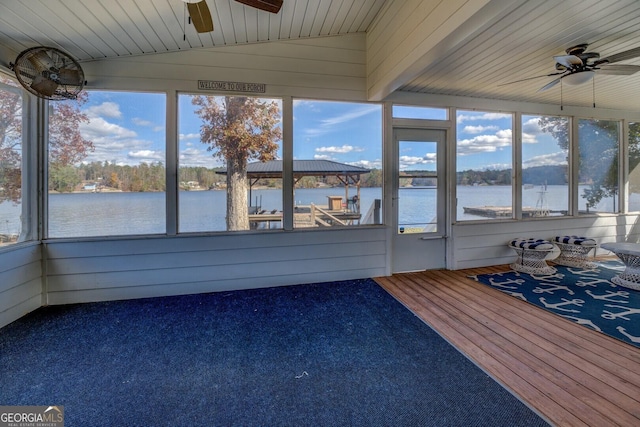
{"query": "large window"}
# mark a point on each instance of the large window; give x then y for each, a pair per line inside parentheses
(598, 142)
(107, 165)
(634, 167)
(415, 112)
(484, 165)
(12, 229)
(337, 163)
(545, 166)
(230, 173)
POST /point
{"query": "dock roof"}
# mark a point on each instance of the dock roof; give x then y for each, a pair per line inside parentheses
(273, 169)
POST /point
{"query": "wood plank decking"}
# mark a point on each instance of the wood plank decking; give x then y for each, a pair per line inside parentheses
(567, 373)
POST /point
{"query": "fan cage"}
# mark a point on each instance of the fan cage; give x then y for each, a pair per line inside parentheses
(60, 62)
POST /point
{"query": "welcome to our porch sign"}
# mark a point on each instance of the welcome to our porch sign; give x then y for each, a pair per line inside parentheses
(225, 86)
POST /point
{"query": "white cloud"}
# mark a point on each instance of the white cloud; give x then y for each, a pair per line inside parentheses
(412, 161)
(478, 129)
(323, 157)
(342, 150)
(532, 127)
(362, 111)
(193, 156)
(189, 136)
(147, 156)
(551, 159)
(485, 143)
(528, 138)
(106, 109)
(530, 131)
(100, 128)
(367, 164)
(141, 122)
(486, 116)
(330, 124)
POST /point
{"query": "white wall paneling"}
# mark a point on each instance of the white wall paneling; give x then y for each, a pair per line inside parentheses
(20, 281)
(147, 267)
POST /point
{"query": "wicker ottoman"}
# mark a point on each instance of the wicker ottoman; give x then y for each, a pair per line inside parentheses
(629, 254)
(531, 256)
(574, 251)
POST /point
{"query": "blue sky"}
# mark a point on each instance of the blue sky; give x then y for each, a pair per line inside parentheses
(129, 128)
(126, 128)
(485, 141)
(338, 131)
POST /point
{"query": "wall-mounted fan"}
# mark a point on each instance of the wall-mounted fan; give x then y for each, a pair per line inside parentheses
(200, 15)
(49, 73)
(579, 66)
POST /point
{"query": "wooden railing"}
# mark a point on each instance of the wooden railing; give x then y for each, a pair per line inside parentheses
(317, 220)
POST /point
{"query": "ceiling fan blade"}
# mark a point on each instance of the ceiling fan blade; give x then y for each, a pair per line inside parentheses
(200, 16)
(41, 61)
(622, 56)
(568, 61)
(549, 85)
(272, 6)
(531, 78)
(44, 85)
(67, 76)
(619, 70)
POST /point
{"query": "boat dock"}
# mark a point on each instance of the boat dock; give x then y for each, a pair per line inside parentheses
(307, 216)
(506, 211)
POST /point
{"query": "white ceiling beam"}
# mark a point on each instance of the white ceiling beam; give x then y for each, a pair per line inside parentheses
(397, 56)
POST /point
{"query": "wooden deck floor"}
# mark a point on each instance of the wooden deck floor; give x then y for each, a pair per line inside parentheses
(567, 373)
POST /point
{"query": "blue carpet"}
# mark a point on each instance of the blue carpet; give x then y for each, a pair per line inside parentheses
(585, 296)
(327, 354)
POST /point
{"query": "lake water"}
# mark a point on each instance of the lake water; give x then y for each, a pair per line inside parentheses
(101, 214)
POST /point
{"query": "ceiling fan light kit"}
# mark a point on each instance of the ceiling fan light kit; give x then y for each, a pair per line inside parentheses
(578, 78)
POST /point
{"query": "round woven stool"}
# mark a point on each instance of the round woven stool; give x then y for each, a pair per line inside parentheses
(629, 254)
(531, 256)
(574, 251)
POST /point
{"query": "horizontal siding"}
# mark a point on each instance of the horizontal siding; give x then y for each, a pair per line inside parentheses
(135, 268)
(327, 67)
(485, 244)
(20, 282)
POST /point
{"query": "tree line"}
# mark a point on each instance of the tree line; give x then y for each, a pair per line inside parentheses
(537, 175)
(150, 177)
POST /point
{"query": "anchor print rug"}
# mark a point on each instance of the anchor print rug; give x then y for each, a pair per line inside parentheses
(585, 296)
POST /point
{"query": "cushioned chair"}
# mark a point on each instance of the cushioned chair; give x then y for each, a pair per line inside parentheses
(574, 251)
(531, 255)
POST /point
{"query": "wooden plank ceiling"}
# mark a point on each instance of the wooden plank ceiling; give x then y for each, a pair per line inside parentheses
(516, 40)
(520, 43)
(98, 29)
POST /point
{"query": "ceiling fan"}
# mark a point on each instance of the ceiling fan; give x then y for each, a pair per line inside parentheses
(201, 16)
(579, 66)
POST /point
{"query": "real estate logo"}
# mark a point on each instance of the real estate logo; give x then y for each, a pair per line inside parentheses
(31, 416)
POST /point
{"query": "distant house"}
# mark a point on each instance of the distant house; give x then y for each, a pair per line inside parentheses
(90, 187)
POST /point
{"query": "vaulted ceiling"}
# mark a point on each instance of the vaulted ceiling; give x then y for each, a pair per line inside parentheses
(501, 42)
(98, 29)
